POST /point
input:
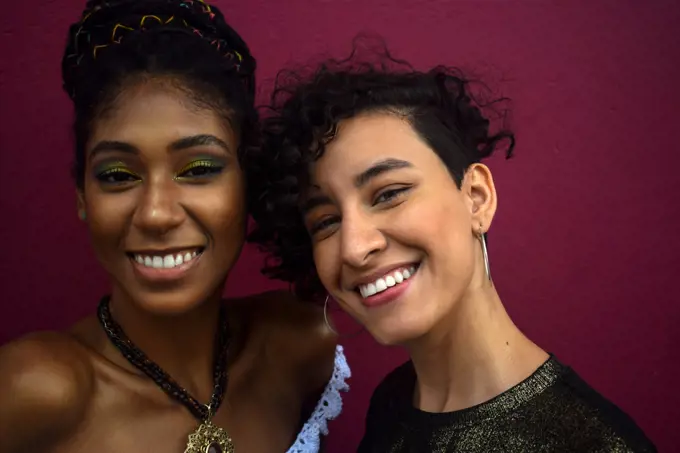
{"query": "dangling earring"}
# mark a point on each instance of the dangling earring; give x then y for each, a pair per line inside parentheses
(82, 214)
(485, 252)
(328, 324)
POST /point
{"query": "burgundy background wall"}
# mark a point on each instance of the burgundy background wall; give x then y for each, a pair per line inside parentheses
(584, 250)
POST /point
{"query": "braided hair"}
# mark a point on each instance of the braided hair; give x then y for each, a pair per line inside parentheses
(187, 42)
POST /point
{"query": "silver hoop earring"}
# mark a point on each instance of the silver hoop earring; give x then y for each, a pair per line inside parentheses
(485, 253)
(325, 317)
(328, 324)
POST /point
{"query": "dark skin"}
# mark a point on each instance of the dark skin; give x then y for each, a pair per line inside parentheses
(162, 179)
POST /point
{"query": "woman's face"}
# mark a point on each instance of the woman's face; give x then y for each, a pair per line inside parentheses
(395, 241)
(164, 198)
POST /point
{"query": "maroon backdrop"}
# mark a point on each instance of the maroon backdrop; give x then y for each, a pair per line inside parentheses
(584, 250)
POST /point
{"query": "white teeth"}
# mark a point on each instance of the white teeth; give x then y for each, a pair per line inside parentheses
(387, 281)
(370, 290)
(380, 285)
(167, 261)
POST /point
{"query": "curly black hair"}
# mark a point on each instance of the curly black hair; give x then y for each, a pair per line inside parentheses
(186, 43)
(306, 107)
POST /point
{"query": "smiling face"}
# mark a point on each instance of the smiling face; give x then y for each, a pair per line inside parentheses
(395, 240)
(164, 198)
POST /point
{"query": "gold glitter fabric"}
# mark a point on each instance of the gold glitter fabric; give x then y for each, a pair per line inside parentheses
(551, 411)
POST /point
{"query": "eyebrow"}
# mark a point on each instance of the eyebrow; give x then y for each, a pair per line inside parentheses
(360, 180)
(314, 202)
(199, 140)
(112, 145)
(378, 169)
(182, 143)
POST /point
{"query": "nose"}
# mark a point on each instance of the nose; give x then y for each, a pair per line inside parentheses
(361, 238)
(159, 209)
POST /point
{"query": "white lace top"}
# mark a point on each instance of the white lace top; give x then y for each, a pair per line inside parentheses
(328, 408)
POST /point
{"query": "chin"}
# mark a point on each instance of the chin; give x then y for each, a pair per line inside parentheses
(391, 335)
(169, 301)
(401, 324)
(168, 295)
(170, 304)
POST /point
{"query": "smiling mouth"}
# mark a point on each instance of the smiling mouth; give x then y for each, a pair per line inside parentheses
(166, 261)
(387, 281)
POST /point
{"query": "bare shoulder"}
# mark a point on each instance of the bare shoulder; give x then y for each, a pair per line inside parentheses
(45, 385)
(284, 311)
(299, 328)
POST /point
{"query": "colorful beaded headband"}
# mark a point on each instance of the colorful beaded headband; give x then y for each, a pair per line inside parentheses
(146, 23)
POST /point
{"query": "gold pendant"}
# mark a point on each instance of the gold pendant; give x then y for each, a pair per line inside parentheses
(209, 438)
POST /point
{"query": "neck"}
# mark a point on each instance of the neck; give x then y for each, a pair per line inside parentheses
(182, 345)
(473, 355)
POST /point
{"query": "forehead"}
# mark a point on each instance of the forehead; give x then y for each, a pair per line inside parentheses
(155, 112)
(367, 139)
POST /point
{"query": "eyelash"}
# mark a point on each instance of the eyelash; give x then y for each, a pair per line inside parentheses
(111, 175)
(384, 197)
(121, 175)
(210, 169)
(390, 194)
(328, 221)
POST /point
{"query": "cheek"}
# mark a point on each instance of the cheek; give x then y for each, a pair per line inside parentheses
(453, 253)
(325, 261)
(108, 215)
(328, 267)
(433, 219)
(440, 226)
(221, 209)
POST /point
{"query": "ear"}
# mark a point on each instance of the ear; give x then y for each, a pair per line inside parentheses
(478, 185)
(80, 196)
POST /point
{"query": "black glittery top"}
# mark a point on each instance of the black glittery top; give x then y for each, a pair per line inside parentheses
(553, 410)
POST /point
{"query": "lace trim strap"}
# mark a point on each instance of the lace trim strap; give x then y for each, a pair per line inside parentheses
(328, 408)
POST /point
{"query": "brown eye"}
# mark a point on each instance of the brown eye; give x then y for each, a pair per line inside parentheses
(116, 176)
(325, 223)
(390, 195)
(201, 169)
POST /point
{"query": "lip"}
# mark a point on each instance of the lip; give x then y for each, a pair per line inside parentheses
(389, 295)
(381, 272)
(163, 252)
(157, 275)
